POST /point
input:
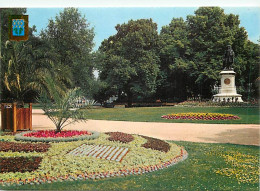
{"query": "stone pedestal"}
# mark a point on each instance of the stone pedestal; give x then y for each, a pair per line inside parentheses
(227, 92)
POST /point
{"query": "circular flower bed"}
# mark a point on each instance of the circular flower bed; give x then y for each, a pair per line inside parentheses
(104, 157)
(200, 116)
(52, 136)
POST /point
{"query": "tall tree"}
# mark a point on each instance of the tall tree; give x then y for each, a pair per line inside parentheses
(192, 52)
(5, 12)
(25, 66)
(71, 37)
(174, 53)
(131, 65)
(210, 31)
(4, 17)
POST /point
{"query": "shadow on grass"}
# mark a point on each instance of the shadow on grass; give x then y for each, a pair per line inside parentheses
(249, 136)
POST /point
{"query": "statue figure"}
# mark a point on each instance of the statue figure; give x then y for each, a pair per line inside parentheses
(228, 58)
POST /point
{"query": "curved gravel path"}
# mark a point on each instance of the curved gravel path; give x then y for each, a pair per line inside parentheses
(245, 134)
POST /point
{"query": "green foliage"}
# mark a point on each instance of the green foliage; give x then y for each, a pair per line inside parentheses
(71, 38)
(5, 12)
(191, 54)
(59, 109)
(174, 65)
(25, 64)
(130, 62)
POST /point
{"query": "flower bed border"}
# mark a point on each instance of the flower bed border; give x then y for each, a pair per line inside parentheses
(96, 176)
(20, 137)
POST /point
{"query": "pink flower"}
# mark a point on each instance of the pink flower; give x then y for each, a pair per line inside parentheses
(54, 134)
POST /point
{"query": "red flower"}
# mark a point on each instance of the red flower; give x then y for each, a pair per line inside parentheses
(54, 134)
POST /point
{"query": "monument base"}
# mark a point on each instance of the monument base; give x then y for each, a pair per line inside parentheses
(227, 92)
(227, 98)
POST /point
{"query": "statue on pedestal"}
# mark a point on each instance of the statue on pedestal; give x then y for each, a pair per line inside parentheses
(228, 59)
(227, 91)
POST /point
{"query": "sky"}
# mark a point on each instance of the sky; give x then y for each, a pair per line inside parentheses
(104, 19)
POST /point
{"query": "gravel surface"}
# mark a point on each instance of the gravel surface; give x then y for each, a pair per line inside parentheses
(245, 134)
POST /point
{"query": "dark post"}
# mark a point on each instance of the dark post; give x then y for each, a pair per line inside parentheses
(14, 117)
(30, 114)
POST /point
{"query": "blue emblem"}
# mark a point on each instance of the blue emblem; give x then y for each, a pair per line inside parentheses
(18, 27)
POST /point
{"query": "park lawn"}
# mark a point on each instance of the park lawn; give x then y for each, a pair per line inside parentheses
(153, 114)
(238, 165)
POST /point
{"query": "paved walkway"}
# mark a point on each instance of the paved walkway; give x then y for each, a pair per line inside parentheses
(208, 133)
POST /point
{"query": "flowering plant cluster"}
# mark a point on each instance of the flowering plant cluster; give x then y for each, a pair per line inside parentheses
(23, 147)
(54, 134)
(121, 137)
(245, 168)
(191, 103)
(64, 136)
(200, 116)
(156, 144)
(58, 164)
(19, 164)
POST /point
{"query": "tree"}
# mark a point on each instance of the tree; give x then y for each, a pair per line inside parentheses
(4, 17)
(131, 65)
(59, 107)
(71, 37)
(174, 53)
(25, 66)
(5, 12)
(210, 31)
(191, 52)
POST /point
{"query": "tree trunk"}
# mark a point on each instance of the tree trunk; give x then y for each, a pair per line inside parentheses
(58, 129)
(129, 99)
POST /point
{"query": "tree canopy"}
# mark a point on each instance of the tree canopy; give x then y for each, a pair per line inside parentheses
(131, 64)
(191, 53)
(71, 38)
(137, 63)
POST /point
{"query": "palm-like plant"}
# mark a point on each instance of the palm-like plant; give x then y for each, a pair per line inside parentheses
(59, 108)
(25, 65)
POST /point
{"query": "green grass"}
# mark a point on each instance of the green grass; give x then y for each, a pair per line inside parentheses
(198, 172)
(153, 114)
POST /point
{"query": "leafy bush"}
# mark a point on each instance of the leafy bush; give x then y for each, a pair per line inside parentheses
(59, 107)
